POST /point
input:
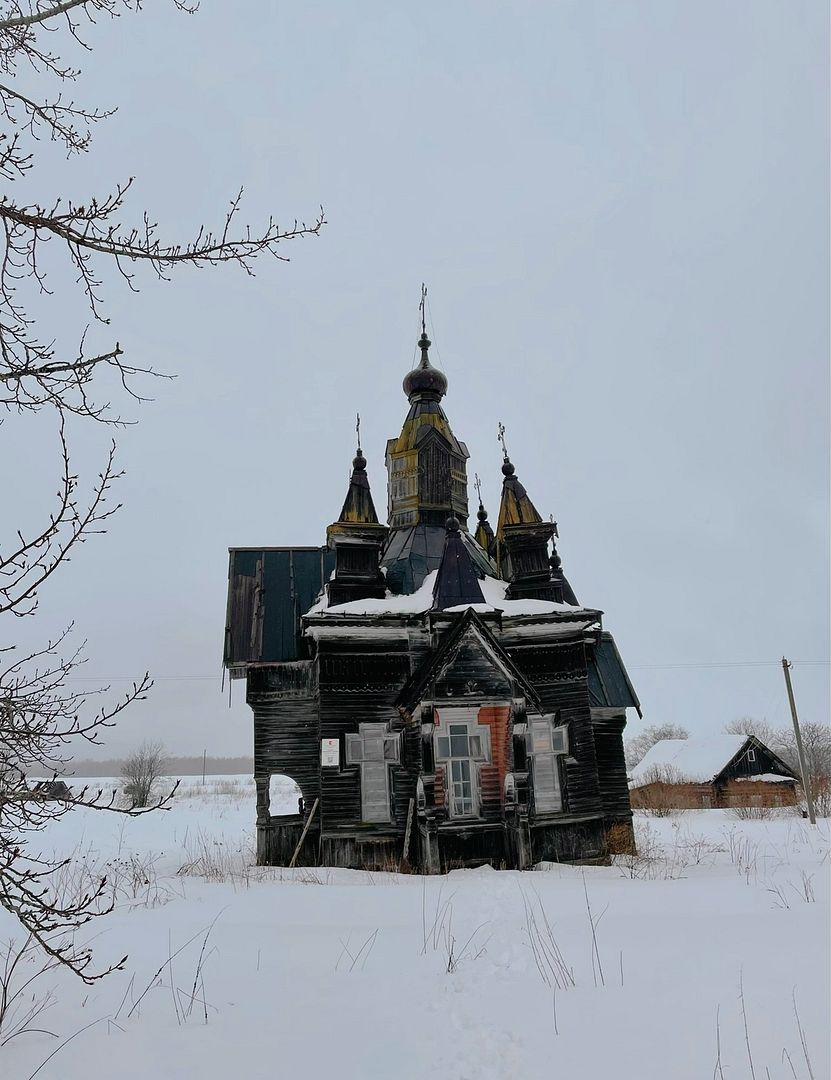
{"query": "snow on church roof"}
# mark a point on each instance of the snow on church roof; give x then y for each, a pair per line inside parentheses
(493, 591)
(697, 760)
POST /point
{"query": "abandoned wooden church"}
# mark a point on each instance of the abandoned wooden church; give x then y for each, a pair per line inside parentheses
(439, 695)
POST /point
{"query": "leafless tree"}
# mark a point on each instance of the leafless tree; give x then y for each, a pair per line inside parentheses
(636, 748)
(749, 725)
(81, 242)
(816, 745)
(141, 770)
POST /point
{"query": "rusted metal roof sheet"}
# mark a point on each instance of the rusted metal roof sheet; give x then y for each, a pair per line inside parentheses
(269, 589)
(609, 685)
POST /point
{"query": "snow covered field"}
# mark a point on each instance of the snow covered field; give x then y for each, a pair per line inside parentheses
(702, 958)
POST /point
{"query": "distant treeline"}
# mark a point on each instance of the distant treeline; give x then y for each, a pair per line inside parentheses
(175, 766)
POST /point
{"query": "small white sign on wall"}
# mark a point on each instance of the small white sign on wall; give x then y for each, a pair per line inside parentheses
(330, 753)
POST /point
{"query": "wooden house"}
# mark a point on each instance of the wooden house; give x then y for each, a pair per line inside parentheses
(712, 771)
(440, 698)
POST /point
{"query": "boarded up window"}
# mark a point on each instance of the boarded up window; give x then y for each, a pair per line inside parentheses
(547, 743)
(374, 749)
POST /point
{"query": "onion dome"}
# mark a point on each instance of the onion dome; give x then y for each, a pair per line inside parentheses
(425, 380)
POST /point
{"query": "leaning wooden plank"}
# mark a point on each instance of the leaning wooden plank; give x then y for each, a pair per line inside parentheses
(303, 834)
(407, 832)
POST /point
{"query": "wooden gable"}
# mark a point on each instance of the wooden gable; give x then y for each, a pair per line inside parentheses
(468, 662)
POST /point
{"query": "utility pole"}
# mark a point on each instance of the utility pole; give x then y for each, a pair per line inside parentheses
(806, 779)
(204, 756)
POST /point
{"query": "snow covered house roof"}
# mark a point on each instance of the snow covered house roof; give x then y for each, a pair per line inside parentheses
(697, 760)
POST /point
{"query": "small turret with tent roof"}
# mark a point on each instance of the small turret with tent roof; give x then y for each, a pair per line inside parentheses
(441, 698)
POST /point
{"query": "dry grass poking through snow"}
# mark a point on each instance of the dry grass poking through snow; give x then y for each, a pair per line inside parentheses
(701, 956)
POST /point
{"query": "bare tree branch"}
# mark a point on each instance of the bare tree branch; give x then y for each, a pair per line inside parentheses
(41, 718)
(10, 23)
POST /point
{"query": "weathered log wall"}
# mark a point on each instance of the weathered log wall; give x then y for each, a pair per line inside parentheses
(352, 681)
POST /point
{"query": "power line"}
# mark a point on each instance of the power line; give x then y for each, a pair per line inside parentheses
(682, 665)
(732, 664)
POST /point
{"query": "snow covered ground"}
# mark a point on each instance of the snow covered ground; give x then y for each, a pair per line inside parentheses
(705, 957)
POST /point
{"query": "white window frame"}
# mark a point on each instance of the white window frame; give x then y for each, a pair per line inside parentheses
(478, 738)
(546, 742)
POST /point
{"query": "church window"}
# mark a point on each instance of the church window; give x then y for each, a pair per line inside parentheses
(547, 743)
(462, 744)
(374, 749)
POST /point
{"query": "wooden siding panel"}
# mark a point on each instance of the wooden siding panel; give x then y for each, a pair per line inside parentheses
(611, 767)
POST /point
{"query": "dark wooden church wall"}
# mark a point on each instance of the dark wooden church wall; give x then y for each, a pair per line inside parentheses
(459, 847)
(611, 767)
(569, 842)
(286, 730)
(558, 674)
(361, 687)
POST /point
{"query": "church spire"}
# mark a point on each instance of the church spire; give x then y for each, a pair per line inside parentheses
(484, 533)
(358, 507)
(426, 464)
(357, 538)
(522, 540)
(457, 582)
(425, 382)
(515, 507)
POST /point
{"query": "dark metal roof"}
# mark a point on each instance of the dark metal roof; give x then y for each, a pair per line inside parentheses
(457, 581)
(415, 551)
(411, 554)
(269, 589)
(609, 685)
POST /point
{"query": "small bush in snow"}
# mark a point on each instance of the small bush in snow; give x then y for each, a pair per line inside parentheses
(140, 771)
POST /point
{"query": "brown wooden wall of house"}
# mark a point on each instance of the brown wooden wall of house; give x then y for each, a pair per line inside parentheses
(713, 796)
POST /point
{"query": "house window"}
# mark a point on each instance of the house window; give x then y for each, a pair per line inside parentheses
(374, 749)
(461, 745)
(751, 755)
(547, 742)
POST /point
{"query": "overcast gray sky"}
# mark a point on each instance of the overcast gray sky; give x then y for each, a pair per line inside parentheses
(621, 212)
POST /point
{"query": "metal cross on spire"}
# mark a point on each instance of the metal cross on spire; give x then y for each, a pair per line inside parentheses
(477, 483)
(501, 437)
(422, 308)
(358, 429)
